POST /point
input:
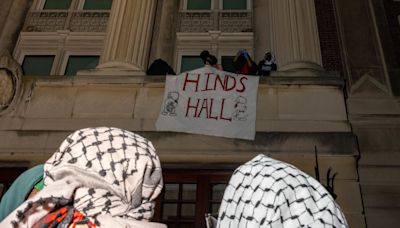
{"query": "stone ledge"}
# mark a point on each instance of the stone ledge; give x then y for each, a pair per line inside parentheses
(158, 81)
(338, 144)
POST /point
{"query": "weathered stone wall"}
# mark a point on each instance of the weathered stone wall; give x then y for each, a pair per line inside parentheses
(373, 109)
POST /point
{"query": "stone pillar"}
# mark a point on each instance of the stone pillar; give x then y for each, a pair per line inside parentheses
(12, 19)
(294, 35)
(164, 31)
(262, 29)
(127, 42)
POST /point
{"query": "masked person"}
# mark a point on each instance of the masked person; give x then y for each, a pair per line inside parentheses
(267, 65)
(210, 60)
(268, 193)
(99, 177)
(244, 64)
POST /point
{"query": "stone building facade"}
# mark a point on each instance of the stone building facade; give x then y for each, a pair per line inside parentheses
(70, 64)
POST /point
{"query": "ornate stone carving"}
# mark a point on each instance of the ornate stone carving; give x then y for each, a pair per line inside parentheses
(76, 21)
(235, 21)
(196, 22)
(6, 88)
(226, 21)
(89, 21)
(45, 21)
(10, 82)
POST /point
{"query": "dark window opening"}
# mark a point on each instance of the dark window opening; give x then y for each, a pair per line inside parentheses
(188, 195)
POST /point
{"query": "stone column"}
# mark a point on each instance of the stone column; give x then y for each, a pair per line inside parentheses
(12, 17)
(127, 42)
(262, 28)
(164, 31)
(294, 35)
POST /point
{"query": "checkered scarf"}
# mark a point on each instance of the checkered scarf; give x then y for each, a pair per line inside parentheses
(268, 193)
(111, 176)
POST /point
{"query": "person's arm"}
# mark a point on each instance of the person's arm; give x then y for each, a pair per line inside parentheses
(237, 56)
(248, 59)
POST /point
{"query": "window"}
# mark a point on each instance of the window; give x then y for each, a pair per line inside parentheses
(198, 4)
(190, 63)
(97, 4)
(179, 204)
(57, 4)
(227, 63)
(76, 63)
(234, 4)
(187, 196)
(37, 64)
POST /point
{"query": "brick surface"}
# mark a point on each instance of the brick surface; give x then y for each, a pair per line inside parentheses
(328, 35)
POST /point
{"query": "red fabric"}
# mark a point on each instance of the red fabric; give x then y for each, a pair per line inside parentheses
(245, 69)
(56, 217)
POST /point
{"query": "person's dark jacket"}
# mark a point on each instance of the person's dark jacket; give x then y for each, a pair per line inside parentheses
(241, 61)
(264, 69)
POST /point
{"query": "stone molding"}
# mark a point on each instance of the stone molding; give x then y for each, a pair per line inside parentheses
(10, 83)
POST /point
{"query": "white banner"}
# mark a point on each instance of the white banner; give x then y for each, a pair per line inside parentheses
(211, 102)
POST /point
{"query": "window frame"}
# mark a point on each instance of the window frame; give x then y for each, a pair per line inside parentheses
(180, 53)
(67, 55)
(40, 5)
(216, 6)
(185, 4)
(204, 180)
(181, 58)
(225, 55)
(249, 5)
(81, 4)
(23, 54)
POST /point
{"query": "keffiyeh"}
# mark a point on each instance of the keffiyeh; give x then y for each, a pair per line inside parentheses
(111, 176)
(268, 193)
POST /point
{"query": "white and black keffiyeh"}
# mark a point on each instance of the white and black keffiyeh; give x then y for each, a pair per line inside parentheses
(268, 193)
(110, 175)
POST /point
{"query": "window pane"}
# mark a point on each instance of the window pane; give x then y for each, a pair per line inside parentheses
(170, 211)
(227, 63)
(218, 191)
(57, 4)
(171, 192)
(215, 208)
(235, 4)
(191, 63)
(37, 64)
(97, 4)
(198, 4)
(188, 211)
(189, 191)
(76, 63)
